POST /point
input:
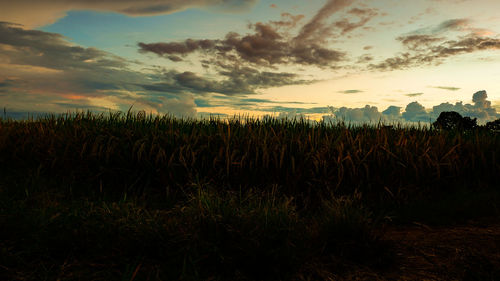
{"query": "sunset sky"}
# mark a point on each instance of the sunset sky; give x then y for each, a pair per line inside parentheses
(409, 59)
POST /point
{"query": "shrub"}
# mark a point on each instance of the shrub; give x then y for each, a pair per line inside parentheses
(493, 125)
(451, 120)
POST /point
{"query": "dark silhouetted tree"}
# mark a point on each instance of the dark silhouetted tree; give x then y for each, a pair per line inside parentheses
(493, 125)
(451, 120)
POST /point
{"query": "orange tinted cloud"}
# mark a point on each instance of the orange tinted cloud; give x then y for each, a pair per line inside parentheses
(32, 13)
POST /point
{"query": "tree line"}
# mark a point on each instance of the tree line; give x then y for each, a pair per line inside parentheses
(452, 120)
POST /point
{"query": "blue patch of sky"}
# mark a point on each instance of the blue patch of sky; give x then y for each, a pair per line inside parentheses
(120, 34)
(202, 103)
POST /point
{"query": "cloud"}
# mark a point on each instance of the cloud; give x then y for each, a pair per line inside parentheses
(365, 15)
(288, 20)
(235, 80)
(365, 58)
(40, 12)
(437, 53)
(460, 25)
(447, 88)
(297, 110)
(270, 44)
(414, 94)
(350, 91)
(50, 50)
(418, 41)
(265, 47)
(171, 50)
(452, 24)
(253, 104)
(415, 112)
(481, 108)
(429, 46)
(392, 112)
(365, 114)
(315, 28)
(447, 25)
(44, 70)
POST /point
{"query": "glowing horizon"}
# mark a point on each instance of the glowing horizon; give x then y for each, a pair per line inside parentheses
(250, 57)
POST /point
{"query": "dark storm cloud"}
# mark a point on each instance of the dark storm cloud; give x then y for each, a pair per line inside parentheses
(270, 45)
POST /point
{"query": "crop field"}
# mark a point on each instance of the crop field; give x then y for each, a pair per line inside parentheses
(131, 196)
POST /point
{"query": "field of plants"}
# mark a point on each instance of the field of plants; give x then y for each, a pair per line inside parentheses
(131, 196)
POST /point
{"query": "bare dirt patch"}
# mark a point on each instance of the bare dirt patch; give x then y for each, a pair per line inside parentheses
(460, 252)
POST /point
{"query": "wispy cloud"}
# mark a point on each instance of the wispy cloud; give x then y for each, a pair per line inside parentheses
(40, 12)
(432, 49)
(235, 81)
(270, 44)
(414, 94)
(365, 15)
(47, 70)
(350, 91)
(447, 88)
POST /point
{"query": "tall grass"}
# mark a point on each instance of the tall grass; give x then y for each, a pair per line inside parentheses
(110, 154)
(131, 196)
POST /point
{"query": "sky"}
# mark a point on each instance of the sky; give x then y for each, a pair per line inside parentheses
(362, 60)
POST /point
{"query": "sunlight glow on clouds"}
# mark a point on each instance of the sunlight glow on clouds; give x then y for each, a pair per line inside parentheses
(40, 12)
(361, 59)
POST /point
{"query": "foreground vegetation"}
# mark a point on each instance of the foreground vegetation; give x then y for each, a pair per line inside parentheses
(139, 197)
